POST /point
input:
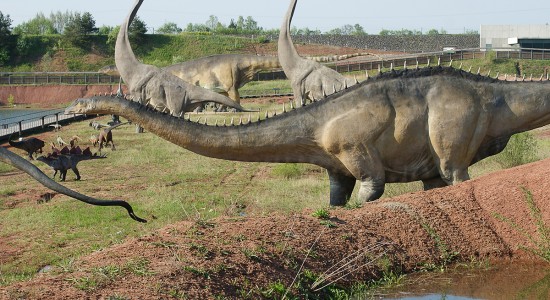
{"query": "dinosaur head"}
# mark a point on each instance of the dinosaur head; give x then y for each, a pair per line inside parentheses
(86, 105)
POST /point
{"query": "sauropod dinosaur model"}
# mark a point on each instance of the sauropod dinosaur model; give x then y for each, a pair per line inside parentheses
(96, 125)
(105, 137)
(149, 84)
(68, 161)
(426, 124)
(15, 160)
(224, 73)
(308, 79)
(31, 145)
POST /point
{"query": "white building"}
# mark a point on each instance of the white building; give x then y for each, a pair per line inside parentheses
(514, 36)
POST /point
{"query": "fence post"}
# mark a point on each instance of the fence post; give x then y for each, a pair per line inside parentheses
(20, 128)
(43, 123)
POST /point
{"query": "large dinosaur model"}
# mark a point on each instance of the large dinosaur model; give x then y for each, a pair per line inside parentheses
(150, 84)
(427, 124)
(15, 160)
(30, 145)
(224, 73)
(65, 162)
(308, 79)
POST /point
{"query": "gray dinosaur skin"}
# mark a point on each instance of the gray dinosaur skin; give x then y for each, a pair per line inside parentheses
(15, 160)
(223, 73)
(429, 124)
(309, 79)
(30, 145)
(150, 84)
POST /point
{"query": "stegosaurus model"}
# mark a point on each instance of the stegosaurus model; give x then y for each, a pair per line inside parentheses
(65, 159)
(11, 158)
(426, 124)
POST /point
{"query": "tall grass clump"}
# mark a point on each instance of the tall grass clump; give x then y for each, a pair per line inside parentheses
(521, 149)
(541, 244)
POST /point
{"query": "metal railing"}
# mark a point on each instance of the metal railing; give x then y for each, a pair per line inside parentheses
(33, 121)
(40, 78)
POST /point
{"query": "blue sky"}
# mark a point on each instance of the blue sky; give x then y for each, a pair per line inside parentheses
(453, 16)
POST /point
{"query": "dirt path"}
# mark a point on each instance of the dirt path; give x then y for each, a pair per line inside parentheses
(244, 256)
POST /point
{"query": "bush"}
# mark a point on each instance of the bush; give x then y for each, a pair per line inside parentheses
(521, 149)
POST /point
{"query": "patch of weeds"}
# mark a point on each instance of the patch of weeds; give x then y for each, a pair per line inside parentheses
(274, 290)
(446, 256)
(288, 170)
(321, 213)
(521, 149)
(139, 267)
(84, 283)
(251, 254)
(542, 243)
(355, 204)
(200, 250)
(66, 265)
(117, 297)
(328, 224)
(240, 238)
(204, 224)
(199, 272)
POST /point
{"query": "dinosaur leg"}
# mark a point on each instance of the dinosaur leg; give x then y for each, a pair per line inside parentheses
(233, 93)
(63, 174)
(364, 163)
(113, 145)
(341, 187)
(55, 173)
(434, 183)
(75, 170)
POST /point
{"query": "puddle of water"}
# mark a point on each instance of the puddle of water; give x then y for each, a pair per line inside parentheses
(500, 281)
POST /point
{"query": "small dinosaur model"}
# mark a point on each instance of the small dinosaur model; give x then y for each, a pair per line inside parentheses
(68, 161)
(15, 160)
(96, 125)
(60, 141)
(427, 124)
(159, 88)
(308, 79)
(30, 145)
(105, 137)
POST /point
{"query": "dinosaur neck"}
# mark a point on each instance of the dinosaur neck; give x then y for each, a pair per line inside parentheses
(256, 64)
(265, 141)
(129, 67)
(288, 56)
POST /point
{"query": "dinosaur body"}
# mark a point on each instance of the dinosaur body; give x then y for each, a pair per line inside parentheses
(308, 79)
(105, 137)
(429, 124)
(10, 158)
(224, 73)
(30, 145)
(68, 161)
(149, 84)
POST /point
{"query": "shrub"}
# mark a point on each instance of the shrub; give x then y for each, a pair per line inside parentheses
(521, 149)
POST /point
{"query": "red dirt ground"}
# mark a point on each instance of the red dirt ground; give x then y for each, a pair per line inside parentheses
(229, 257)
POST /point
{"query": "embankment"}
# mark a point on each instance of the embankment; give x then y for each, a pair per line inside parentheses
(50, 95)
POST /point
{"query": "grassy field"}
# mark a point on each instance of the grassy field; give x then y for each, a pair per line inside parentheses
(165, 184)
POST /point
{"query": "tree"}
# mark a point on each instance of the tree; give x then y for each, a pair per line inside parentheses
(251, 25)
(5, 33)
(78, 28)
(137, 31)
(169, 28)
(212, 22)
(105, 30)
(39, 25)
(358, 30)
(60, 20)
(88, 24)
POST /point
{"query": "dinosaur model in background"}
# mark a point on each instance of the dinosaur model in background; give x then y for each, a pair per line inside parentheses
(15, 160)
(224, 73)
(30, 145)
(426, 124)
(63, 162)
(105, 137)
(308, 79)
(149, 84)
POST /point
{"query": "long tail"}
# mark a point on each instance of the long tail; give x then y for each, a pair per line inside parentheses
(25, 166)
